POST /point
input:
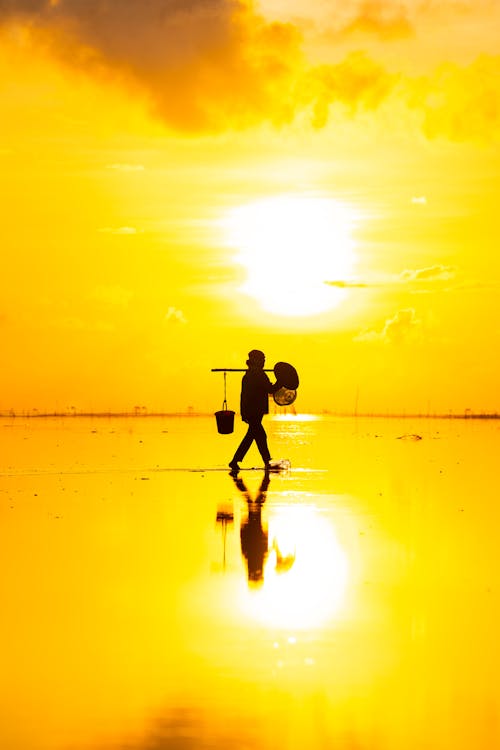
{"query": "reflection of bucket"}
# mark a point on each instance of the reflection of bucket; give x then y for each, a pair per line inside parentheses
(225, 421)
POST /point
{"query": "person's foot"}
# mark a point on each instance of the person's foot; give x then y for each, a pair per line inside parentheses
(234, 466)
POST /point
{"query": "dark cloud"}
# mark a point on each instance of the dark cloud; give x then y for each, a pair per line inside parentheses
(206, 65)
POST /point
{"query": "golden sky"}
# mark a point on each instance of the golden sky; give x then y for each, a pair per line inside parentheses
(186, 180)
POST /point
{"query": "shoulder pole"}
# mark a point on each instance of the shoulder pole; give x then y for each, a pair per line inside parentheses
(230, 369)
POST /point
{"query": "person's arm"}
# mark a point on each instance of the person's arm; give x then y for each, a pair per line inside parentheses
(272, 387)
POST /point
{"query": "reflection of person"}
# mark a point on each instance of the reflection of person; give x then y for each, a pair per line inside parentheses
(255, 390)
(254, 537)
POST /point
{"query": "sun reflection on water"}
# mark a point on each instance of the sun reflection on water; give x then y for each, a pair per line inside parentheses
(305, 574)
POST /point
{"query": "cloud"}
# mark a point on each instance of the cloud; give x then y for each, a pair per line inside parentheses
(358, 82)
(175, 316)
(204, 64)
(402, 327)
(388, 20)
(433, 273)
(348, 284)
(380, 19)
(207, 66)
(461, 103)
(418, 278)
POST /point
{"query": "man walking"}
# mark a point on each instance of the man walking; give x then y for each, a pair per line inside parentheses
(255, 390)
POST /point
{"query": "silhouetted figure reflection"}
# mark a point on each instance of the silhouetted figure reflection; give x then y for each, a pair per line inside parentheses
(253, 535)
(254, 403)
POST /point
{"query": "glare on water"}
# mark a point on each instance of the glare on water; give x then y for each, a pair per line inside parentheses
(350, 602)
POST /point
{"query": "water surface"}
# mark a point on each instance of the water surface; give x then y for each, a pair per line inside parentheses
(352, 602)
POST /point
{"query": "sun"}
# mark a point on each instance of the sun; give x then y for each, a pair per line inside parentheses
(291, 246)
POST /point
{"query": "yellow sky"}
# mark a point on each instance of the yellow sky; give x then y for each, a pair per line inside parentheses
(133, 135)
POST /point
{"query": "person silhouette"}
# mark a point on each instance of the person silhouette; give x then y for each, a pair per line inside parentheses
(254, 403)
(253, 535)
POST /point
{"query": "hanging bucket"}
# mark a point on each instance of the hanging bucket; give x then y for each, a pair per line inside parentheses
(225, 420)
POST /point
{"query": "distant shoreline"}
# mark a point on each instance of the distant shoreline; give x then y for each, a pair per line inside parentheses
(145, 415)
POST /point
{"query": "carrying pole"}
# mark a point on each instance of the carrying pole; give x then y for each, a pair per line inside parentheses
(230, 369)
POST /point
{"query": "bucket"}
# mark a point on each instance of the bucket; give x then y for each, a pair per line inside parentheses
(225, 420)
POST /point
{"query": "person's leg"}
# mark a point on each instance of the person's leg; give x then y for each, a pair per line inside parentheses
(260, 437)
(243, 446)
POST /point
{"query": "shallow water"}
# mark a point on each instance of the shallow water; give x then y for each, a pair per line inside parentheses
(352, 603)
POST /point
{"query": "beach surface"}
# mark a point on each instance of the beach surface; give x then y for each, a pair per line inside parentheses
(150, 600)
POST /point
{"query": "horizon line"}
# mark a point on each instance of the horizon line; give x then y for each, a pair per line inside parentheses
(71, 414)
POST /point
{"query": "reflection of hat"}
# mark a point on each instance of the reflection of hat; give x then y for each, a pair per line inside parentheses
(256, 357)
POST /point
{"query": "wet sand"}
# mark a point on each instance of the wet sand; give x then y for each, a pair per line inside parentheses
(353, 604)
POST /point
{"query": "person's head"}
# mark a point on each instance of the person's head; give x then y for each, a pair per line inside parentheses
(256, 358)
